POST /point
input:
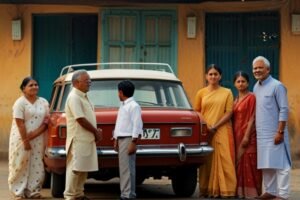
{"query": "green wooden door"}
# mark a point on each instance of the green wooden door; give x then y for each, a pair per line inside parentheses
(139, 36)
(233, 40)
(60, 40)
(120, 36)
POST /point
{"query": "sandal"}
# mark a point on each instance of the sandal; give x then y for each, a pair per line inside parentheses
(36, 196)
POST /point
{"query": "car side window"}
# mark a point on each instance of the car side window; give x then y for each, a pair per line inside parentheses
(55, 97)
(65, 92)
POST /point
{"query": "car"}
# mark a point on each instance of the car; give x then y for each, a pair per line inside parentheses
(174, 140)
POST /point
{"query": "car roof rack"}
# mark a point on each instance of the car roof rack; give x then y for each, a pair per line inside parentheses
(119, 65)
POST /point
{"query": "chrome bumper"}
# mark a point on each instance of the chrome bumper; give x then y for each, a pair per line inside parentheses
(181, 150)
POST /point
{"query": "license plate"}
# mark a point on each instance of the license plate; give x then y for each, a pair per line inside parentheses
(151, 134)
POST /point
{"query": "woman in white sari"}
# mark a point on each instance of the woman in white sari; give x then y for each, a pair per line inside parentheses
(26, 144)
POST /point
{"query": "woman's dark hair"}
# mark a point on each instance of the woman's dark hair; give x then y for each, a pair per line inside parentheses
(213, 66)
(126, 87)
(25, 81)
(241, 73)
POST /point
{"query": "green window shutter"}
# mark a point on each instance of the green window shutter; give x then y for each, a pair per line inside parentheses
(139, 36)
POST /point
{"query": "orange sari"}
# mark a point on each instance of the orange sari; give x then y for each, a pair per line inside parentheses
(249, 178)
(217, 176)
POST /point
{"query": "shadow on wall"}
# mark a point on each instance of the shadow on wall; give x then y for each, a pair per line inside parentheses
(294, 137)
(3, 155)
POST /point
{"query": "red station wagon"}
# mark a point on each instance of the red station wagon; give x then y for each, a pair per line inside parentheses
(173, 143)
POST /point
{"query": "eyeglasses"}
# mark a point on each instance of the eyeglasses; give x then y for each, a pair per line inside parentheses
(85, 81)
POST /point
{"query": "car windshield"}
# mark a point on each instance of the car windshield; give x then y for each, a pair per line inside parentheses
(148, 93)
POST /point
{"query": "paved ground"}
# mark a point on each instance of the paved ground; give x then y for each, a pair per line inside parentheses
(151, 189)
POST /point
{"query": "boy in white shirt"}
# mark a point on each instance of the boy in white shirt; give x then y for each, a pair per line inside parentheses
(129, 127)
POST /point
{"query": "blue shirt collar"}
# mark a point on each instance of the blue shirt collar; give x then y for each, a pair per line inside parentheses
(265, 81)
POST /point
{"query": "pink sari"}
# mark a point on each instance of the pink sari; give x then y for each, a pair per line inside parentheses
(249, 178)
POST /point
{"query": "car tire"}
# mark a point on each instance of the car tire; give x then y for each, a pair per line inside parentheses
(57, 185)
(139, 180)
(47, 180)
(184, 181)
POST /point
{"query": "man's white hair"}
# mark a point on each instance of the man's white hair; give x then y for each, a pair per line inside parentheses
(77, 74)
(261, 58)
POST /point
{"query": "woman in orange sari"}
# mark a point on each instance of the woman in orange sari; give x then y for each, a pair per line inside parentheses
(249, 178)
(214, 105)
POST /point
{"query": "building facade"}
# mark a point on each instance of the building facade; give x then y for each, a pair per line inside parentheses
(188, 35)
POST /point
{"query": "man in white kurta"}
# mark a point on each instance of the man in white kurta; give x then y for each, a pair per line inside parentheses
(273, 149)
(82, 135)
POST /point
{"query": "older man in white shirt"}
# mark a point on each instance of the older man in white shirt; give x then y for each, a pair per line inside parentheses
(129, 127)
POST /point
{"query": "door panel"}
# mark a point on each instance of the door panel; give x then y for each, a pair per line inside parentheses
(84, 38)
(60, 40)
(119, 37)
(139, 36)
(223, 44)
(157, 37)
(266, 33)
(50, 50)
(233, 40)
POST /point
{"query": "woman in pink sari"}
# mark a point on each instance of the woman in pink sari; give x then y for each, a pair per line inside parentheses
(249, 178)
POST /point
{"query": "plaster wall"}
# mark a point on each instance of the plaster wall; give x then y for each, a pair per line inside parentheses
(16, 56)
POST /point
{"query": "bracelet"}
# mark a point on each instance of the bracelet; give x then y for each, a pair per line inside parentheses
(214, 129)
(134, 140)
(25, 140)
(281, 131)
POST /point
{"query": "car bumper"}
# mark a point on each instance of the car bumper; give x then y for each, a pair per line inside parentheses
(181, 151)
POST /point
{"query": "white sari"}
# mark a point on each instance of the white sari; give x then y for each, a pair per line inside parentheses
(26, 168)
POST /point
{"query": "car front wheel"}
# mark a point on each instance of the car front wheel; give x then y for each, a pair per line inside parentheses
(57, 185)
(184, 181)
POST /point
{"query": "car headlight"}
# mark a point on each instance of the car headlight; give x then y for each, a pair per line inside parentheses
(181, 132)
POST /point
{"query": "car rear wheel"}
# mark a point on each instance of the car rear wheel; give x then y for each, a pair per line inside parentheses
(57, 185)
(184, 181)
(47, 180)
(139, 180)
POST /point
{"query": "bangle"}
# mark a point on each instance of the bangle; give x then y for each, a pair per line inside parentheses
(214, 129)
(134, 140)
(281, 132)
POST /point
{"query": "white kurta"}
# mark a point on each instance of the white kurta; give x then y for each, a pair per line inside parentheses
(83, 143)
(271, 107)
(26, 168)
